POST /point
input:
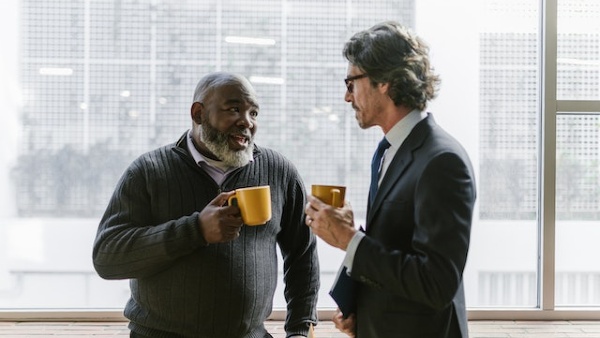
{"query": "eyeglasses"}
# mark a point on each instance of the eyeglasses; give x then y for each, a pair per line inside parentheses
(350, 81)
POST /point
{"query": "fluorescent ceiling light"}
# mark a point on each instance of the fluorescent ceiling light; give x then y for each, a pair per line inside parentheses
(267, 80)
(56, 71)
(578, 62)
(250, 41)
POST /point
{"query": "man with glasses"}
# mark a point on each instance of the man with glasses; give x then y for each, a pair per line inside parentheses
(405, 268)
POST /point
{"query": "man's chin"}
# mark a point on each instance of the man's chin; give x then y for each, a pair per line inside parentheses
(238, 161)
(237, 158)
(232, 154)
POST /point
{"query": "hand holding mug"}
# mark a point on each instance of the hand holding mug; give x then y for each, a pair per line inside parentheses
(220, 223)
(329, 216)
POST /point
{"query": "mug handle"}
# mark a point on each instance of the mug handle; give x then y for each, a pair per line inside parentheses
(336, 198)
(232, 200)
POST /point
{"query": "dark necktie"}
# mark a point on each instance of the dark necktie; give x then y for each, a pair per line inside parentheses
(375, 168)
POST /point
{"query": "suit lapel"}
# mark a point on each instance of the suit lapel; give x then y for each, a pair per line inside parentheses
(401, 161)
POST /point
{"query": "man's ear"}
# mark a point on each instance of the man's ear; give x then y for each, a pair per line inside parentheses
(383, 87)
(196, 112)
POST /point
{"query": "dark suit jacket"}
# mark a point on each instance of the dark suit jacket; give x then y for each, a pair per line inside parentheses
(409, 265)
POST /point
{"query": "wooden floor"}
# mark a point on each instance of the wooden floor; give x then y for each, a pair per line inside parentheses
(477, 329)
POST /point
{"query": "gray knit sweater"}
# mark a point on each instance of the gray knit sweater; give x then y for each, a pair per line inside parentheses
(182, 287)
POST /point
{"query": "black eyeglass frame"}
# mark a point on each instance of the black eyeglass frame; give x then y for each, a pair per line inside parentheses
(350, 81)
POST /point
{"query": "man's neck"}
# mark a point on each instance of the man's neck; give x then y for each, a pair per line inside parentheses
(392, 116)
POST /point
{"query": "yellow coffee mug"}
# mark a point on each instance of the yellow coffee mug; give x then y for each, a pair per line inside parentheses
(254, 204)
(333, 195)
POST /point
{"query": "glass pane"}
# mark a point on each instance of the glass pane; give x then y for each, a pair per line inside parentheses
(96, 83)
(578, 58)
(577, 210)
(502, 266)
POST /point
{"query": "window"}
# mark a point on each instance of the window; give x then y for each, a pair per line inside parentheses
(577, 217)
(87, 86)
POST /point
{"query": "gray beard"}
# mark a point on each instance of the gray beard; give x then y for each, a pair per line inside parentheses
(218, 144)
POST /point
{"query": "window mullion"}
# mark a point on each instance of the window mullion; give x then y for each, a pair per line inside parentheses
(548, 159)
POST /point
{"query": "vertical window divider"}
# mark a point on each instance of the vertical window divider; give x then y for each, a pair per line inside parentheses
(547, 219)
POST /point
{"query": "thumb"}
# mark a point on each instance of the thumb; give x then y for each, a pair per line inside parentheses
(222, 198)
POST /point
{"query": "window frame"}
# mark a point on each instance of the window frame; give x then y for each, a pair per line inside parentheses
(550, 109)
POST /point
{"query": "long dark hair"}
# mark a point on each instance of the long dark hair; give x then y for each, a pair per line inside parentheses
(389, 53)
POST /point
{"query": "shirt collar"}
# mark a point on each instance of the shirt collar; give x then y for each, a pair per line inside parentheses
(195, 153)
(402, 128)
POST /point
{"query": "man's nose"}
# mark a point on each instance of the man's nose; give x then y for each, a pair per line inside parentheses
(245, 120)
(348, 96)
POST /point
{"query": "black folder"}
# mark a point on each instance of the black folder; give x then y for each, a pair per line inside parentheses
(343, 291)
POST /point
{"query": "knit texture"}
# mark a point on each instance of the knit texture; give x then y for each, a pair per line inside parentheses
(182, 287)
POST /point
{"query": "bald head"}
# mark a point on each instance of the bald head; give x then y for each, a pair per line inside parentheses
(213, 81)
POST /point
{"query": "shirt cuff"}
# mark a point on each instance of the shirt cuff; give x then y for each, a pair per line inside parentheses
(298, 331)
(351, 250)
